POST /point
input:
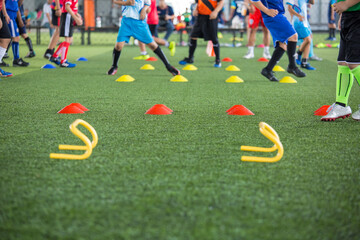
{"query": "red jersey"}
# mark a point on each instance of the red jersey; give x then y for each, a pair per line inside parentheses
(1, 2)
(53, 4)
(153, 17)
(73, 5)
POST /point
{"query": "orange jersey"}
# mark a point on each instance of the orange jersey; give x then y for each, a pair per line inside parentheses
(205, 7)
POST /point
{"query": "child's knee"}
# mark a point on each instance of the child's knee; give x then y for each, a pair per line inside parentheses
(294, 38)
(119, 46)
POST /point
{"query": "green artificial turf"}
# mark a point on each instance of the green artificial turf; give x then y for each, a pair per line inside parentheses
(175, 176)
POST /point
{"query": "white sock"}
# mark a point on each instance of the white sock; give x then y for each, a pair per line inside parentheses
(266, 49)
(251, 49)
(144, 53)
(2, 53)
(167, 44)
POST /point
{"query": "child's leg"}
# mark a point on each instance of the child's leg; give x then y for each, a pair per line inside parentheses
(192, 47)
(277, 54)
(291, 49)
(15, 47)
(345, 80)
(117, 52)
(157, 50)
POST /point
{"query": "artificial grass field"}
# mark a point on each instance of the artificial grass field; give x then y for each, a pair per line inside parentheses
(176, 176)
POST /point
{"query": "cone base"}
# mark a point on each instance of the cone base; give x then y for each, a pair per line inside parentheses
(234, 79)
(232, 68)
(287, 80)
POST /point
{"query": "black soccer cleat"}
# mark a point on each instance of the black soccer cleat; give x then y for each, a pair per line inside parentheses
(4, 64)
(20, 63)
(173, 70)
(30, 54)
(48, 54)
(296, 71)
(112, 70)
(186, 61)
(269, 75)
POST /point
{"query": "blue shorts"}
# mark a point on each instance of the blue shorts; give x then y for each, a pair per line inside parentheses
(301, 29)
(134, 28)
(14, 31)
(329, 16)
(280, 28)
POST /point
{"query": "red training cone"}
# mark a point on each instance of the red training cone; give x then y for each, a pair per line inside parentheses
(240, 110)
(151, 59)
(70, 110)
(262, 59)
(322, 111)
(159, 109)
(227, 59)
(232, 108)
(261, 46)
(79, 106)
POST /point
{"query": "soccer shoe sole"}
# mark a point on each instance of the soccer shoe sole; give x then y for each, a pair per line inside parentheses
(333, 119)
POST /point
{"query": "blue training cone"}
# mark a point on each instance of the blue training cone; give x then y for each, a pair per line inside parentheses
(82, 59)
(48, 66)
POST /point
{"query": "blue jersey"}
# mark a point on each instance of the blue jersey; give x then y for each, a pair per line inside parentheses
(302, 4)
(134, 11)
(238, 6)
(272, 4)
(11, 5)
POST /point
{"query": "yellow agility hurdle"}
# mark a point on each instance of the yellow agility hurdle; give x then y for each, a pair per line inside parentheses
(88, 145)
(271, 134)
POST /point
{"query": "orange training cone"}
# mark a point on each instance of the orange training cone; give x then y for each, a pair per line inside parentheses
(159, 109)
(70, 110)
(227, 59)
(210, 49)
(151, 59)
(322, 111)
(232, 108)
(240, 110)
(262, 59)
(79, 106)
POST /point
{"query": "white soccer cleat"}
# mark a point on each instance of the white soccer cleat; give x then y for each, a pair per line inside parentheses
(266, 55)
(336, 111)
(356, 115)
(249, 55)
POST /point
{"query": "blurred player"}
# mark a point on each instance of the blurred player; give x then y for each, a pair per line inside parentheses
(5, 38)
(153, 21)
(239, 15)
(56, 6)
(134, 25)
(255, 19)
(303, 30)
(21, 22)
(348, 59)
(69, 15)
(206, 26)
(283, 34)
(11, 13)
(331, 21)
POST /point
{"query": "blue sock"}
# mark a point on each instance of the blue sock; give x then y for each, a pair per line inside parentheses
(311, 53)
(15, 48)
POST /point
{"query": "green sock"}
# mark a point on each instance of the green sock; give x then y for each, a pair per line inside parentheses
(345, 80)
(356, 72)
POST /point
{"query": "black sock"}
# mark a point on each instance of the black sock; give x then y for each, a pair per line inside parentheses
(216, 47)
(299, 53)
(116, 56)
(291, 49)
(29, 43)
(304, 61)
(332, 32)
(277, 54)
(192, 47)
(241, 34)
(162, 56)
(7, 50)
(341, 104)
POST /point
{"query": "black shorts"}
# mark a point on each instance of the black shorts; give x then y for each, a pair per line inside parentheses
(22, 30)
(4, 31)
(205, 28)
(349, 50)
(66, 25)
(55, 20)
(154, 30)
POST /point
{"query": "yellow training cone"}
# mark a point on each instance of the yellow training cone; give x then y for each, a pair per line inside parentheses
(190, 67)
(277, 68)
(178, 78)
(125, 78)
(288, 80)
(234, 79)
(147, 67)
(232, 68)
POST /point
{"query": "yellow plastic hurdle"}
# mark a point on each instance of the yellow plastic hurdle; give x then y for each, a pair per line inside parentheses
(88, 145)
(271, 134)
